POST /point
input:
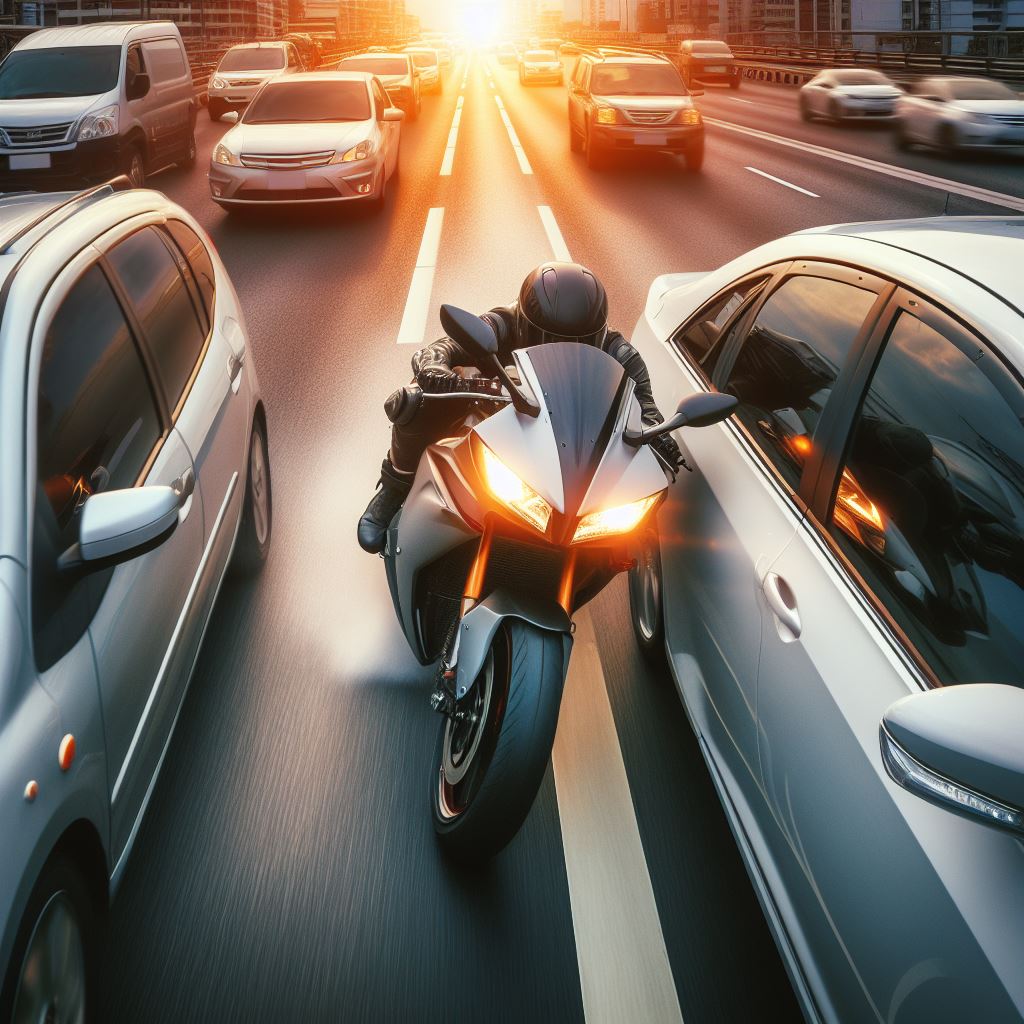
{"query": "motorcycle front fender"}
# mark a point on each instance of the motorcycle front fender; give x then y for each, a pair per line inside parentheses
(478, 626)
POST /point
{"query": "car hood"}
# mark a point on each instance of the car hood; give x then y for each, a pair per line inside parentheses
(722, 57)
(877, 92)
(647, 102)
(246, 77)
(296, 138)
(24, 113)
(990, 106)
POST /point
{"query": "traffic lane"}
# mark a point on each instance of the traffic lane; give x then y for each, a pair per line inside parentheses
(761, 107)
(287, 865)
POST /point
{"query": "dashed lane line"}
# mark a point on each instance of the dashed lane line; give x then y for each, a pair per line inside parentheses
(782, 181)
(453, 135)
(417, 304)
(555, 239)
(524, 163)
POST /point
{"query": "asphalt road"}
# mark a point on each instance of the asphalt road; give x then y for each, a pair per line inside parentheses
(287, 870)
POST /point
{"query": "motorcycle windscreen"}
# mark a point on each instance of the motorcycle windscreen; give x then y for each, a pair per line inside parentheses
(582, 389)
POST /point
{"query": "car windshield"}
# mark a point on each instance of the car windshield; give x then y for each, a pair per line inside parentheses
(423, 59)
(540, 55)
(637, 80)
(253, 58)
(75, 71)
(859, 78)
(376, 65)
(709, 46)
(979, 89)
(309, 102)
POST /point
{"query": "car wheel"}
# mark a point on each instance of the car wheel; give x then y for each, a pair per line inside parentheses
(190, 151)
(593, 153)
(695, 156)
(948, 145)
(52, 970)
(135, 166)
(258, 512)
(216, 109)
(646, 603)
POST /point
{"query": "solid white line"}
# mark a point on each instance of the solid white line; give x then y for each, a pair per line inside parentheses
(915, 177)
(453, 135)
(782, 181)
(524, 164)
(555, 239)
(625, 974)
(740, 99)
(414, 319)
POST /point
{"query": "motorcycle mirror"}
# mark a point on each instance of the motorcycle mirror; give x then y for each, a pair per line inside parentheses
(700, 410)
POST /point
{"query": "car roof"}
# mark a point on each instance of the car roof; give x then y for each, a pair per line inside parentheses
(987, 250)
(630, 58)
(326, 76)
(112, 33)
(374, 55)
(19, 211)
(262, 45)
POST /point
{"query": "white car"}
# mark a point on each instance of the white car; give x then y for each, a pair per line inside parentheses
(242, 71)
(319, 137)
(954, 114)
(842, 94)
(135, 469)
(839, 588)
(428, 64)
(540, 66)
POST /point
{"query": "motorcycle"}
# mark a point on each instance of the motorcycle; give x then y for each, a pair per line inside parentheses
(508, 529)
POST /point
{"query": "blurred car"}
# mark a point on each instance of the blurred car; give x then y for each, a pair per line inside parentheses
(397, 72)
(708, 60)
(839, 588)
(309, 48)
(428, 65)
(508, 54)
(629, 102)
(242, 71)
(540, 66)
(320, 137)
(436, 41)
(136, 472)
(568, 48)
(849, 93)
(956, 114)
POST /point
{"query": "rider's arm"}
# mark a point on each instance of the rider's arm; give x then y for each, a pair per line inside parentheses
(633, 363)
(439, 358)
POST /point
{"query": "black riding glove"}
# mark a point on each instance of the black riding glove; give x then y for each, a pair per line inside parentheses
(666, 447)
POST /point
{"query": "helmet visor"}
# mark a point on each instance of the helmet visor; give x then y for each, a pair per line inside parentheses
(530, 334)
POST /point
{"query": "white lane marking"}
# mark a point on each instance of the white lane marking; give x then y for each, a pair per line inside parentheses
(557, 242)
(414, 319)
(782, 181)
(453, 135)
(740, 99)
(524, 164)
(625, 974)
(915, 177)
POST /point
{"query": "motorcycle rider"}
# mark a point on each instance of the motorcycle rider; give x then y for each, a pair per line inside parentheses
(558, 302)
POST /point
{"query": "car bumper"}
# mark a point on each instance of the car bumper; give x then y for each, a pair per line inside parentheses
(542, 76)
(333, 183)
(867, 111)
(730, 74)
(674, 138)
(75, 165)
(237, 97)
(990, 136)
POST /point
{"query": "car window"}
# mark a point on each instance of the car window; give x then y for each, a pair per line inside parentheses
(252, 58)
(702, 332)
(789, 360)
(637, 80)
(930, 502)
(96, 425)
(198, 258)
(380, 102)
(164, 59)
(154, 285)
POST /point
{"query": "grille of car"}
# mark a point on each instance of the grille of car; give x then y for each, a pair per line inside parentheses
(286, 161)
(1013, 119)
(651, 116)
(283, 195)
(37, 135)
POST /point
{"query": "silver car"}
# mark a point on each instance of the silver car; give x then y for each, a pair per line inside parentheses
(844, 94)
(320, 137)
(957, 114)
(397, 73)
(243, 70)
(135, 467)
(428, 64)
(839, 587)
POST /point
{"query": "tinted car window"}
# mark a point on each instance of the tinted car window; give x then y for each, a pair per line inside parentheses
(55, 72)
(150, 276)
(698, 337)
(96, 426)
(298, 101)
(253, 58)
(789, 361)
(930, 505)
(380, 102)
(637, 80)
(375, 65)
(198, 258)
(164, 59)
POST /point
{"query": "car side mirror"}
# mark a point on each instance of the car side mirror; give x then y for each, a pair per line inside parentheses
(394, 114)
(138, 86)
(231, 117)
(959, 747)
(117, 526)
(700, 410)
(696, 92)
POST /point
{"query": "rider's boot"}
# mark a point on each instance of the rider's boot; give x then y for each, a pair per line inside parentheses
(390, 496)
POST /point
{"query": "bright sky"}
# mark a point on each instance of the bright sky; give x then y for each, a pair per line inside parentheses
(473, 18)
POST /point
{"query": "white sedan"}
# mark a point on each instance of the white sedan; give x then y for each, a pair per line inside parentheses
(842, 94)
(319, 137)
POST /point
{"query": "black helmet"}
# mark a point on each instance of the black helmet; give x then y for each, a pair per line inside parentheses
(562, 302)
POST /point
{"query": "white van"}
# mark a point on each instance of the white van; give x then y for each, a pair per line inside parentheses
(84, 104)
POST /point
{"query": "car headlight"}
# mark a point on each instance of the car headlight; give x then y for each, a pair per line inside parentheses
(359, 152)
(512, 492)
(612, 521)
(99, 124)
(690, 116)
(218, 83)
(607, 115)
(223, 155)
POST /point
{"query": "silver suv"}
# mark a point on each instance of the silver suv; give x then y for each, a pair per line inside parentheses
(134, 462)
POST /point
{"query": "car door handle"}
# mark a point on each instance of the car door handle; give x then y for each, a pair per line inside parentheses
(184, 486)
(782, 602)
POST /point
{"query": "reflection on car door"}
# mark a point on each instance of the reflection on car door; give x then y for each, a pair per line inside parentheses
(169, 103)
(909, 569)
(101, 428)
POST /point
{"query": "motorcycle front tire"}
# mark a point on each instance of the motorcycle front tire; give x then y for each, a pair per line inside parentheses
(525, 674)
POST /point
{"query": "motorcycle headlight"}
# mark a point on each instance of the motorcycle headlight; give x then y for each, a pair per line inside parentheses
(360, 152)
(612, 521)
(98, 124)
(218, 83)
(223, 155)
(607, 115)
(512, 492)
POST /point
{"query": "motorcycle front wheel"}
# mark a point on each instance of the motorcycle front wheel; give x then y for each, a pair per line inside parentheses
(490, 760)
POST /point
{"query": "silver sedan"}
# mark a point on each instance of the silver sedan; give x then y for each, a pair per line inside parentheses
(319, 137)
(839, 587)
(844, 94)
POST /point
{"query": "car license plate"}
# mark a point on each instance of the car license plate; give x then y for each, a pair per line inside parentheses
(652, 139)
(29, 161)
(714, 68)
